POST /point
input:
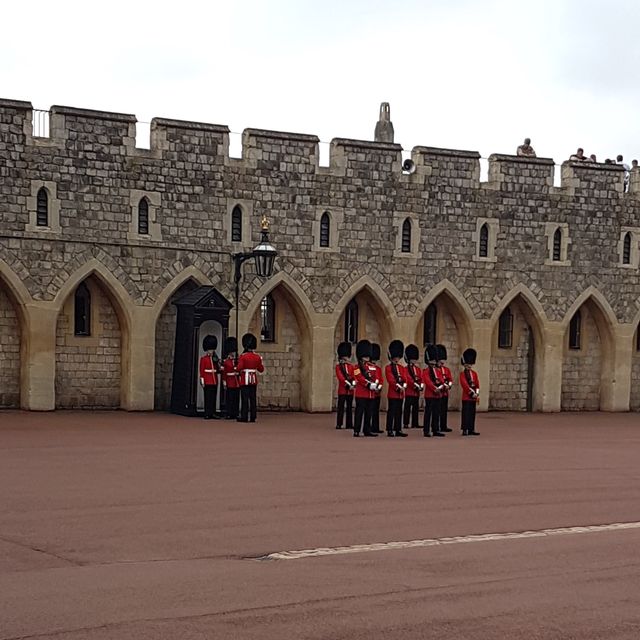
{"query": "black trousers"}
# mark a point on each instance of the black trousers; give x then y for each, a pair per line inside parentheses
(444, 412)
(431, 415)
(363, 415)
(394, 415)
(375, 414)
(248, 402)
(412, 410)
(468, 415)
(345, 403)
(233, 397)
(210, 399)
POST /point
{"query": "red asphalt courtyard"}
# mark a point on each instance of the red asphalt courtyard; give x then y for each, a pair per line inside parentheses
(125, 526)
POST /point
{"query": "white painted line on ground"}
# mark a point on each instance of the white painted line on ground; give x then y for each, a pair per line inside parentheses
(433, 542)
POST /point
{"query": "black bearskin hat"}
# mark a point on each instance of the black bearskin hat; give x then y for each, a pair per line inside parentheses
(375, 351)
(230, 345)
(430, 353)
(469, 356)
(249, 341)
(363, 349)
(442, 352)
(210, 343)
(344, 350)
(396, 349)
(411, 352)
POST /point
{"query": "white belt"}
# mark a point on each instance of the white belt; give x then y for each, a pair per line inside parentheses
(208, 370)
(246, 374)
(229, 375)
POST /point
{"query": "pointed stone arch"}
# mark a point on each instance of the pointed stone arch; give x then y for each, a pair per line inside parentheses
(370, 277)
(164, 296)
(516, 381)
(454, 320)
(94, 370)
(588, 373)
(287, 381)
(14, 297)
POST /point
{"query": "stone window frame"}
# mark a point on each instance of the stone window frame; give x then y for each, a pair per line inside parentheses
(432, 306)
(575, 332)
(246, 207)
(353, 303)
(336, 219)
(550, 229)
(155, 229)
(54, 207)
(635, 253)
(277, 345)
(399, 219)
(93, 339)
(493, 225)
(269, 306)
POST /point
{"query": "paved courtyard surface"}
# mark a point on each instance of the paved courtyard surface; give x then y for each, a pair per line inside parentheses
(147, 526)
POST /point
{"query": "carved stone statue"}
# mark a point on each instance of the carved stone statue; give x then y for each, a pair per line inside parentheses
(384, 126)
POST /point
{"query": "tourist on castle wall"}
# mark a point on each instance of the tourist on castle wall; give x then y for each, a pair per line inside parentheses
(578, 156)
(526, 149)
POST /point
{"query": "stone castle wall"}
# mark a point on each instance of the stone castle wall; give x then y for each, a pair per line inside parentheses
(95, 178)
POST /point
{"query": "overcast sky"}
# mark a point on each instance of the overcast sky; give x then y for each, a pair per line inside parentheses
(462, 74)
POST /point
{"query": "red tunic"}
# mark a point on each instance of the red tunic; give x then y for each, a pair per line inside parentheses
(230, 374)
(412, 391)
(397, 386)
(379, 377)
(249, 365)
(432, 383)
(344, 372)
(363, 385)
(467, 388)
(208, 369)
(445, 374)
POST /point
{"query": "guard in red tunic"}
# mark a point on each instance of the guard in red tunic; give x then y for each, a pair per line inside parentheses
(366, 389)
(415, 387)
(375, 408)
(209, 369)
(231, 377)
(249, 365)
(346, 385)
(447, 378)
(433, 388)
(470, 393)
(395, 374)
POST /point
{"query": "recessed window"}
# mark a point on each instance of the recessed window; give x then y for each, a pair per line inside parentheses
(626, 248)
(430, 325)
(575, 329)
(351, 322)
(505, 329)
(42, 208)
(325, 230)
(406, 236)
(82, 311)
(638, 339)
(143, 217)
(236, 224)
(557, 245)
(483, 247)
(268, 319)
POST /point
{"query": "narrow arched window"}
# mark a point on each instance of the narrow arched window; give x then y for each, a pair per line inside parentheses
(575, 330)
(430, 325)
(268, 319)
(325, 230)
(406, 236)
(42, 208)
(557, 245)
(351, 322)
(82, 311)
(143, 217)
(505, 329)
(483, 247)
(638, 339)
(626, 248)
(236, 224)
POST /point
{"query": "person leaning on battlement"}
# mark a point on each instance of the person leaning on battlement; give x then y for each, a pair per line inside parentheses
(578, 156)
(526, 149)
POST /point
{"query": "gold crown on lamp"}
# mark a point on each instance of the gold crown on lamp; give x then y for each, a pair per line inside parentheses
(264, 222)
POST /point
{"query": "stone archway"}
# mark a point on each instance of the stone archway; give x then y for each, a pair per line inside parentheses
(448, 319)
(285, 385)
(89, 368)
(10, 348)
(587, 367)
